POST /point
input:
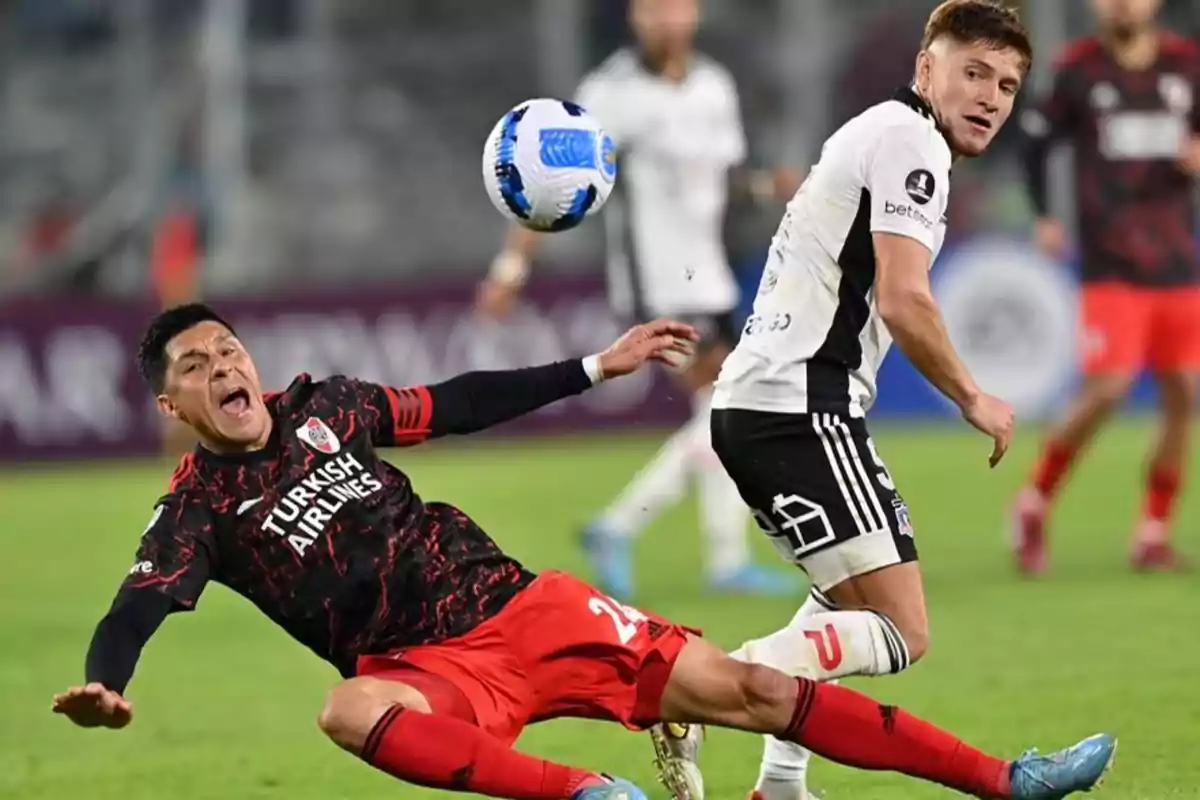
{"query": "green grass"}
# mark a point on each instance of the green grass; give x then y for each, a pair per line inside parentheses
(226, 704)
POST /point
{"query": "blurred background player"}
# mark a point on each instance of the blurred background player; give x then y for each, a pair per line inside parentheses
(1125, 99)
(674, 114)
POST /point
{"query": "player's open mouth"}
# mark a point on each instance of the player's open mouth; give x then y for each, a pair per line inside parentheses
(979, 123)
(236, 403)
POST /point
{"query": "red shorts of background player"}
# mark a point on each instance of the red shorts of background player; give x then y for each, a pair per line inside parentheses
(560, 648)
(1127, 328)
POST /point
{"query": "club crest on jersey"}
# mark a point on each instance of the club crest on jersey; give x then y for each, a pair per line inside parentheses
(1104, 96)
(903, 521)
(317, 435)
(1176, 93)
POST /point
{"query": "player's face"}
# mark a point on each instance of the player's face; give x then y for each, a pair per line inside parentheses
(213, 386)
(971, 88)
(664, 27)
(1123, 18)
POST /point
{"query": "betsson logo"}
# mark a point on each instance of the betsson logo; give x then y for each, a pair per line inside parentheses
(909, 212)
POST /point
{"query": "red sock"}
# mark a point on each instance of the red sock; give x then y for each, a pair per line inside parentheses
(1057, 457)
(448, 753)
(1162, 487)
(850, 728)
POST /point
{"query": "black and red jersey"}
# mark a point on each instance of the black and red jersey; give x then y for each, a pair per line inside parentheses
(1128, 130)
(326, 538)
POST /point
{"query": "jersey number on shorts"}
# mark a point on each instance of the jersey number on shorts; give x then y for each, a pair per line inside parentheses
(624, 618)
(883, 476)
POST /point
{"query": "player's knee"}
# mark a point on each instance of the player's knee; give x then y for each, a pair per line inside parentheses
(1109, 391)
(354, 706)
(764, 690)
(916, 640)
(1178, 393)
(344, 717)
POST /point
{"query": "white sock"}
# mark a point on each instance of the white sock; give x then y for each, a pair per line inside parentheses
(783, 773)
(658, 485)
(868, 643)
(832, 644)
(723, 513)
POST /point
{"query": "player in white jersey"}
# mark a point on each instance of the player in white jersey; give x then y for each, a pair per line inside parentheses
(847, 273)
(675, 117)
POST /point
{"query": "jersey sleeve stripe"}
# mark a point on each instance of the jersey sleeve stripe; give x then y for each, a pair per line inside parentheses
(412, 409)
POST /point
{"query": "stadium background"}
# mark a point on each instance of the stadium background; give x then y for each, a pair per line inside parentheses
(312, 167)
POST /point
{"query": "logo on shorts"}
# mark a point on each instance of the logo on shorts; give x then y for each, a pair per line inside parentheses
(903, 522)
(919, 185)
(316, 434)
(1094, 342)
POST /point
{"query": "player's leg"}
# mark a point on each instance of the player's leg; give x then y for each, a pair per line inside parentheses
(826, 500)
(659, 484)
(878, 627)
(1115, 329)
(663, 481)
(828, 503)
(707, 687)
(451, 727)
(723, 515)
(592, 657)
(783, 771)
(1175, 359)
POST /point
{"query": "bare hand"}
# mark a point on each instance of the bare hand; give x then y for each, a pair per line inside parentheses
(94, 706)
(496, 299)
(787, 182)
(663, 340)
(994, 417)
(1189, 161)
(1050, 237)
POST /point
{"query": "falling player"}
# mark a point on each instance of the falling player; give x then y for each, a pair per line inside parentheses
(448, 647)
(1125, 100)
(674, 116)
(848, 271)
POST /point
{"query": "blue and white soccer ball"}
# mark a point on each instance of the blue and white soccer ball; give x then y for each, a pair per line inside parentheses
(548, 165)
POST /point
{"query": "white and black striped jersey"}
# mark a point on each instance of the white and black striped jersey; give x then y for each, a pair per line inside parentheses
(815, 340)
(676, 143)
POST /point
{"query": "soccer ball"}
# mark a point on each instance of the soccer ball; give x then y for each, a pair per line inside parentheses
(548, 164)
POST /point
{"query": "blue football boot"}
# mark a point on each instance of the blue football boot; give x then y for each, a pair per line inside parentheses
(1078, 768)
(612, 789)
(611, 558)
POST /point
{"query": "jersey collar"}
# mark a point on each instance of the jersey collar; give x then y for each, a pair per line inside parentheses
(648, 67)
(909, 97)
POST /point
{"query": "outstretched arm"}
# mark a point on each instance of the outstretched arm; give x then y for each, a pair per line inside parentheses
(168, 575)
(119, 638)
(476, 400)
(116, 646)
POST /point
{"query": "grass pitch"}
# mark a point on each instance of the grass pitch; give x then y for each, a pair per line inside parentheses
(225, 704)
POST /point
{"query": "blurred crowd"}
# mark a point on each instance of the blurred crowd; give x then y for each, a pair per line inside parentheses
(234, 146)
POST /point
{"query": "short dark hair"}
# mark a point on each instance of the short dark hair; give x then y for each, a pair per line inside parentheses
(980, 22)
(152, 352)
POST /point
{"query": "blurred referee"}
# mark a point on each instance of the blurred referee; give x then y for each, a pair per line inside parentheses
(675, 116)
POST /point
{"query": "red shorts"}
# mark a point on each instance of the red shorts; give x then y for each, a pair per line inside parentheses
(1128, 328)
(560, 648)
